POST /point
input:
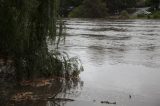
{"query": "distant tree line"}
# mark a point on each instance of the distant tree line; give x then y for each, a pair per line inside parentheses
(68, 5)
(90, 9)
(154, 4)
(116, 6)
(82, 7)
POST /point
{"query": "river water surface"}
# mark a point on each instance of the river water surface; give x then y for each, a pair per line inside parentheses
(121, 60)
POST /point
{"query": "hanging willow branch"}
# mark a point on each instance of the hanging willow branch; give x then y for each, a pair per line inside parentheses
(25, 27)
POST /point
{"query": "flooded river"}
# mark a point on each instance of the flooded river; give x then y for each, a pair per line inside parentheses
(121, 60)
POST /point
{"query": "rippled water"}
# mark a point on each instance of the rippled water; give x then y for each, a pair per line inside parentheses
(120, 58)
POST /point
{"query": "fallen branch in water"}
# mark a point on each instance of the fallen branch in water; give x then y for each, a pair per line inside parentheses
(107, 102)
(62, 99)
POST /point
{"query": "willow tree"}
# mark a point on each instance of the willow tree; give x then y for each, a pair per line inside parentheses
(26, 27)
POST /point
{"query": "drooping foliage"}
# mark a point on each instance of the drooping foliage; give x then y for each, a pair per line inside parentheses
(26, 27)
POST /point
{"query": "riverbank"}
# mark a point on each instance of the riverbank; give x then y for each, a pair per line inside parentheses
(125, 15)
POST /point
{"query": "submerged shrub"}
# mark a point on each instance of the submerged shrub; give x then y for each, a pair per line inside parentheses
(60, 64)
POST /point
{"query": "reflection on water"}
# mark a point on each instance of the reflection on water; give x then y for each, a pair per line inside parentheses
(40, 92)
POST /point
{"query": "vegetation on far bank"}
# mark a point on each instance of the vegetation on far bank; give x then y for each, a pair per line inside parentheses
(153, 15)
(90, 9)
(121, 9)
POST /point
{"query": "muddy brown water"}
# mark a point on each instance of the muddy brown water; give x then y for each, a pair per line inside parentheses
(121, 60)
